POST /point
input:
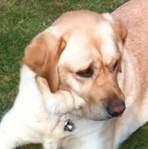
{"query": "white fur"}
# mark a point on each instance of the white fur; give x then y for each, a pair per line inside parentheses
(29, 120)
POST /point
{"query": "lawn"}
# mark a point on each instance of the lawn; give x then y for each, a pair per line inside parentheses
(20, 21)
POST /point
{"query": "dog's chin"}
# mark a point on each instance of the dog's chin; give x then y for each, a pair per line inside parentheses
(96, 115)
(100, 118)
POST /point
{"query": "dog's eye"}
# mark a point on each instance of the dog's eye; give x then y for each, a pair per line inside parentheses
(87, 73)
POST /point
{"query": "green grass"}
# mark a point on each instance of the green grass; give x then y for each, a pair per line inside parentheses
(20, 21)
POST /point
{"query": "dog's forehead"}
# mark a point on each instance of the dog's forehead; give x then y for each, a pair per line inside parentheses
(78, 52)
(81, 49)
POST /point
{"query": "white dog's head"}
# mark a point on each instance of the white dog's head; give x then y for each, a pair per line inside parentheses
(81, 52)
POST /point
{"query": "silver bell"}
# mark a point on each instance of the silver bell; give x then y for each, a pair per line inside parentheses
(69, 125)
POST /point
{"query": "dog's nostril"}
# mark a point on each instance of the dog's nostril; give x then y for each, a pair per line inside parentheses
(116, 107)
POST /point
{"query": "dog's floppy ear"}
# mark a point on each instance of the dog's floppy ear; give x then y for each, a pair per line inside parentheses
(120, 30)
(42, 55)
(118, 27)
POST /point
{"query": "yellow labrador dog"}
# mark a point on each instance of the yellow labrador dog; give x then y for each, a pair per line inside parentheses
(83, 53)
(133, 78)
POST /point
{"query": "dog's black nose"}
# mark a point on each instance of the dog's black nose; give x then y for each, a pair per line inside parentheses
(115, 107)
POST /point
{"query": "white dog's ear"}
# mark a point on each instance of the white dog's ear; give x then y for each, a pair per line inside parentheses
(120, 30)
(42, 56)
(118, 27)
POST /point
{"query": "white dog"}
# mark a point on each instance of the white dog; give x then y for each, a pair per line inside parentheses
(83, 52)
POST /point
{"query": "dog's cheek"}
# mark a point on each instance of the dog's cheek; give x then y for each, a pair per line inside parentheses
(72, 83)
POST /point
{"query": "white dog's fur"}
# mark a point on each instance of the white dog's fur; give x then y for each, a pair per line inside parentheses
(29, 119)
(37, 116)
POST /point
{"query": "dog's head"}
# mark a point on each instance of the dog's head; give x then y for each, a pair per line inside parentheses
(82, 52)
